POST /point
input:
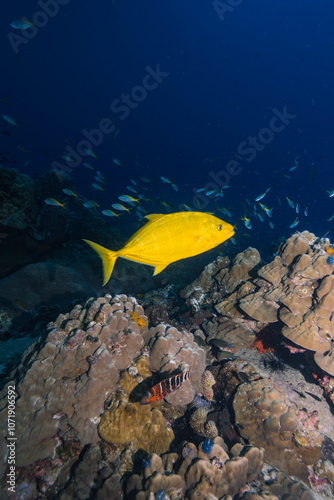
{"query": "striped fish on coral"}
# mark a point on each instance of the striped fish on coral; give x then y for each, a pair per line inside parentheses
(165, 387)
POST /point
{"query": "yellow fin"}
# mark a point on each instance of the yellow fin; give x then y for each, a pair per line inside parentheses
(152, 217)
(108, 259)
(160, 268)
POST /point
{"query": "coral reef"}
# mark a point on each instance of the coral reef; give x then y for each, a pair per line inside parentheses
(303, 295)
(126, 421)
(200, 425)
(51, 183)
(276, 485)
(65, 379)
(235, 334)
(265, 419)
(251, 379)
(296, 287)
(205, 471)
(16, 198)
(220, 279)
(206, 289)
(208, 381)
(170, 350)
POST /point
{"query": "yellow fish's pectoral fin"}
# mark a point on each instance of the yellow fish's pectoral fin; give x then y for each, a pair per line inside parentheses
(152, 217)
(108, 259)
(160, 267)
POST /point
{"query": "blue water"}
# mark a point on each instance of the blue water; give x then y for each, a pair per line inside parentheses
(216, 74)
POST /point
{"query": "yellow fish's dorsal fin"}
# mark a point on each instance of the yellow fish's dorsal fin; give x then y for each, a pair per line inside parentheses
(108, 259)
(153, 217)
(160, 268)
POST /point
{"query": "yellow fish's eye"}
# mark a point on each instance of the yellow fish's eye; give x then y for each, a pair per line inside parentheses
(219, 227)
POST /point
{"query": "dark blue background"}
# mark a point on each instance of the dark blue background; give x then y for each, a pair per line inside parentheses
(225, 79)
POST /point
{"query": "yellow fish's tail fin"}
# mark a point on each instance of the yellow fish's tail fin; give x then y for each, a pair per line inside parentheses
(108, 259)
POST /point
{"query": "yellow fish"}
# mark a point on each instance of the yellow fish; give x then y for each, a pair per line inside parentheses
(167, 238)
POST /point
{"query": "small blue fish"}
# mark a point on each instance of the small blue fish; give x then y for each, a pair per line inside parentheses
(98, 178)
(88, 165)
(294, 223)
(258, 198)
(10, 120)
(21, 24)
(297, 208)
(97, 186)
(225, 211)
(68, 158)
(118, 206)
(69, 192)
(165, 180)
(291, 203)
(54, 203)
(174, 186)
(266, 209)
(199, 190)
(130, 188)
(89, 152)
(90, 204)
(127, 198)
(110, 213)
(247, 222)
(306, 212)
(117, 162)
(209, 193)
(330, 193)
